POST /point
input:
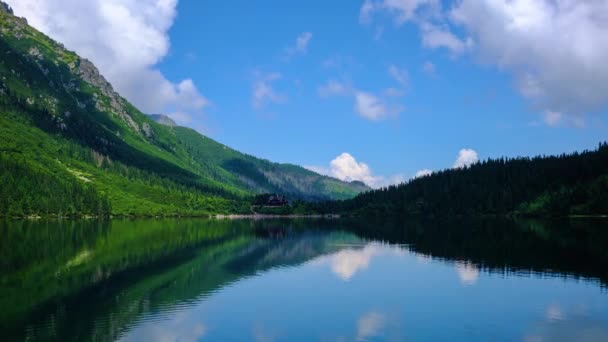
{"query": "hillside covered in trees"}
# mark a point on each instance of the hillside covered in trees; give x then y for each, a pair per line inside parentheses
(564, 185)
(71, 145)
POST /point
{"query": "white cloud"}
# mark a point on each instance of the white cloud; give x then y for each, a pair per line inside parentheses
(369, 325)
(301, 45)
(528, 38)
(399, 74)
(423, 173)
(375, 108)
(555, 49)
(435, 37)
(370, 106)
(346, 168)
(426, 14)
(401, 10)
(429, 68)
(263, 91)
(333, 88)
(125, 39)
(466, 157)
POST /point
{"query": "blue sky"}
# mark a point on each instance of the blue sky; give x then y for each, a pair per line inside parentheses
(411, 82)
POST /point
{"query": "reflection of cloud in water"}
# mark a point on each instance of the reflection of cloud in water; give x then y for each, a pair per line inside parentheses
(169, 332)
(369, 325)
(567, 324)
(347, 262)
(467, 272)
(260, 334)
(554, 313)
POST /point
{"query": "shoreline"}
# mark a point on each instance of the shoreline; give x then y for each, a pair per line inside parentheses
(258, 216)
(271, 216)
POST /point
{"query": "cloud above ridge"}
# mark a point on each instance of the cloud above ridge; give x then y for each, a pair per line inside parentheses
(126, 40)
(347, 168)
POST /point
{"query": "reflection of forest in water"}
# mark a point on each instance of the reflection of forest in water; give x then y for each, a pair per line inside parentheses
(79, 279)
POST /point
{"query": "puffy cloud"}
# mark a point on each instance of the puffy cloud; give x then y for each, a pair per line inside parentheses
(527, 39)
(125, 39)
(423, 173)
(334, 88)
(399, 75)
(466, 157)
(263, 90)
(301, 45)
(345, 167)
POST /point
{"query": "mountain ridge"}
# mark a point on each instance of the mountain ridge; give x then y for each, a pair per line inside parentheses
(82, 132)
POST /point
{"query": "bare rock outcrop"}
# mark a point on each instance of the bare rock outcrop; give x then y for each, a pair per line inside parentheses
(90, 74)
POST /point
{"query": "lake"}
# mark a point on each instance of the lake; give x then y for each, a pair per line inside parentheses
(304, 280)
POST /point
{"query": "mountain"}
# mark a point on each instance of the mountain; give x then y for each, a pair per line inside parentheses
(564, 185)
(70, 144)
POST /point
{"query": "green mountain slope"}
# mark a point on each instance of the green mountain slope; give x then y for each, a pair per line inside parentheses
(63, 126)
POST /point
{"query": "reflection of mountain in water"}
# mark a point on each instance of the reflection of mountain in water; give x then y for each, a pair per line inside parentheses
(130, 270)
(94, 280)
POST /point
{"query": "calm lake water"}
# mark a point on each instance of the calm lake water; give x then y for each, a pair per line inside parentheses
(303, 280)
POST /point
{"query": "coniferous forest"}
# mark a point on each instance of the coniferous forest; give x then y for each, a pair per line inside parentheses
(564, 185)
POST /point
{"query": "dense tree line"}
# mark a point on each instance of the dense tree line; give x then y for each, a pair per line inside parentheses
(29, 191)
(567, 184)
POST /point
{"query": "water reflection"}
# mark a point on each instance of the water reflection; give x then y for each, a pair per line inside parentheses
(467, 272)
(187, 280)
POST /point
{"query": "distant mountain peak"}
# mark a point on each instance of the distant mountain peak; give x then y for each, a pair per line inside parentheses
(163, 119)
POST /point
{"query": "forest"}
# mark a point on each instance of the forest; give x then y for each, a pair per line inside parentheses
(564, 185)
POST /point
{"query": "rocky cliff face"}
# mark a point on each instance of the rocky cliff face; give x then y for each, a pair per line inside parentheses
(90, 74)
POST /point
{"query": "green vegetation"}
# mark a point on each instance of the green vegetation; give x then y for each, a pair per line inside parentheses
(71, 146)
(569, 184)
